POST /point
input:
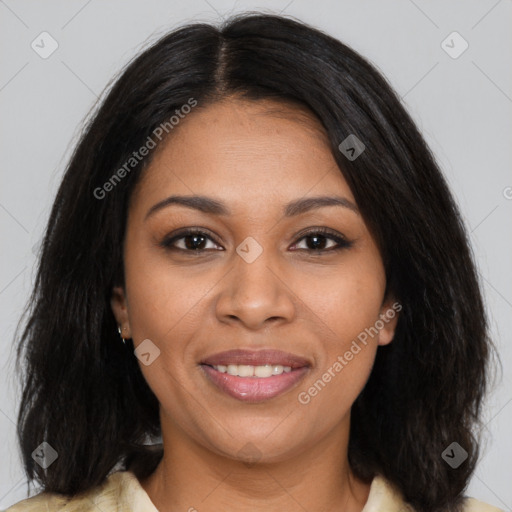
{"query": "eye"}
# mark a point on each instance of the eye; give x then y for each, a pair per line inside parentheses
(317, 238)
(190, 240)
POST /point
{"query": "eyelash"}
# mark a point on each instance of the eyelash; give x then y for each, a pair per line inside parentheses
(343, 243)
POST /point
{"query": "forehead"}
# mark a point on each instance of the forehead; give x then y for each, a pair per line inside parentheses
(250, 151)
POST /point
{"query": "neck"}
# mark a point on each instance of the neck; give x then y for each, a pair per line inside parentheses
(191, 477)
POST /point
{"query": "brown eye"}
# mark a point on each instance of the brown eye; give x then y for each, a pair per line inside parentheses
(317, 239)
(189, 241)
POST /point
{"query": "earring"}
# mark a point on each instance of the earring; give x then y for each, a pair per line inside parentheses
(119, 331)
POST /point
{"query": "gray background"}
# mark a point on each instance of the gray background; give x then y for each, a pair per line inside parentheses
(462, 105)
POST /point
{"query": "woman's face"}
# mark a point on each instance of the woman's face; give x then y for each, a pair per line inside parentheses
(259, 276)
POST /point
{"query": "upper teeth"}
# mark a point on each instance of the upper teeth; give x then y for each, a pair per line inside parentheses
(245, 370)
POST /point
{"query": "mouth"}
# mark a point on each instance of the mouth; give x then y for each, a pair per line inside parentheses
(254, 376)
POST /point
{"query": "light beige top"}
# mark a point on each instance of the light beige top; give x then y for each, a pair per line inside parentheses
(122, 492)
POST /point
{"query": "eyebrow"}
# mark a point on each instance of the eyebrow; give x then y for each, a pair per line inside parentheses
(214, 207)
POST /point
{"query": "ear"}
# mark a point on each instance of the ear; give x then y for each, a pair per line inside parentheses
(119, 307)
(389, 317)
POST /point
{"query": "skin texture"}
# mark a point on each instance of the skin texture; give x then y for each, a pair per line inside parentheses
(255, 157)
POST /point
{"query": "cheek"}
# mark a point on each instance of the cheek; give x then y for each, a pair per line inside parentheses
(348, 302)
(163, 299)
(346, 313)
(165, 307)
(330, 393)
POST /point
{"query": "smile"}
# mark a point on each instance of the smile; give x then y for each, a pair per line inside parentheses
(246, 370)
(251, 387)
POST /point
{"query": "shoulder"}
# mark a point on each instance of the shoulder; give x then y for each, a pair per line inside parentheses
(112, 495)
(386, 496)
(473, 505)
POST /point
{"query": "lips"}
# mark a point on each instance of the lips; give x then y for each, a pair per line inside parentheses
(255, 389)
(257, 358)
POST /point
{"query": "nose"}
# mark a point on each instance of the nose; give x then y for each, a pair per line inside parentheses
(255, 294)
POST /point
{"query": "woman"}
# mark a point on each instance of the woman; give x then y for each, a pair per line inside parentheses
(254, 212)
